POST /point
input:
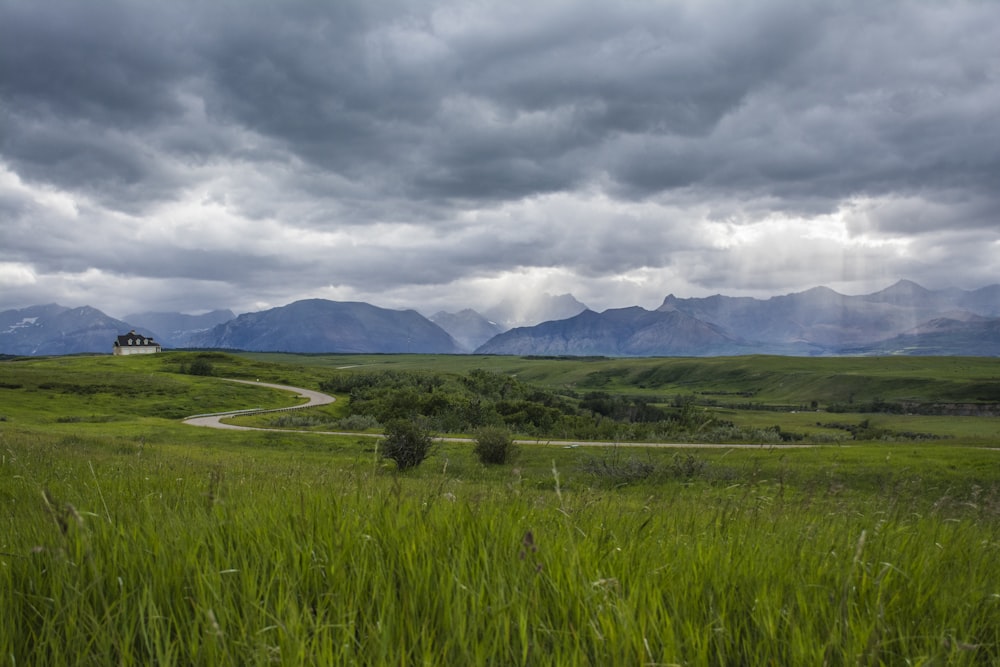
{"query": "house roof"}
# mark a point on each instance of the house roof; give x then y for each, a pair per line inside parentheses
(133, 339)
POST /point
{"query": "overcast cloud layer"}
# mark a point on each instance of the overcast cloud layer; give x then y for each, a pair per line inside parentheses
(191, 155)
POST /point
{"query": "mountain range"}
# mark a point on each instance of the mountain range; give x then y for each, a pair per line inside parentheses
(902, 319)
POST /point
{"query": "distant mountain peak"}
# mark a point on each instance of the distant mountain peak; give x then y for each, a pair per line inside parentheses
(819, 290)
(467, 327)
(530, 309)
(669, 304)
(903, 288)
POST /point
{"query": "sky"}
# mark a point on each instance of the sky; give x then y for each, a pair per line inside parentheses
(189, 155)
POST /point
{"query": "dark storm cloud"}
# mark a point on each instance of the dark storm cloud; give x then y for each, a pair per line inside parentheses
(431, 141)
(777, 97)
(103, 61)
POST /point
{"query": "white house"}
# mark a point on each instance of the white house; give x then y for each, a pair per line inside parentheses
(133, 343)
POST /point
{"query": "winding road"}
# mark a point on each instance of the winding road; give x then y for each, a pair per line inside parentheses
(314, 398)
(214, 420)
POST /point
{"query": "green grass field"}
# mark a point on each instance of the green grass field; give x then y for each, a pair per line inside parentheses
(781, 380)
(130, 538)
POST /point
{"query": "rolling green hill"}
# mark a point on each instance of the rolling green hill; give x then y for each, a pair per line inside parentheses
(771, 379)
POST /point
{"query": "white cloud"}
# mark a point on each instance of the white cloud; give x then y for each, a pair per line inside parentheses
(16, 274)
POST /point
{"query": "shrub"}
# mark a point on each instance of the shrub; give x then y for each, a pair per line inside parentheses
(494, 445)
(201, 366)
(298, 420)
(615, 469)
(407, 443)
(358, 423)
(686, 467)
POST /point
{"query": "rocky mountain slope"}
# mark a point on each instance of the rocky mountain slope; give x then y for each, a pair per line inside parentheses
(318, 325)
(823, 317)
(618, 332)
(55, 329)
(946, 336)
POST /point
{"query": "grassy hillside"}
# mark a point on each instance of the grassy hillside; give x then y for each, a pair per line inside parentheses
(766, 378)
(102, 388)
(127, 537)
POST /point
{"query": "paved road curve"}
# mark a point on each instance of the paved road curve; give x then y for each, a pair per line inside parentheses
(214, 420)
(315, 398)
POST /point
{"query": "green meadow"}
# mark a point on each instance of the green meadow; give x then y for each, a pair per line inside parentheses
(128, 537)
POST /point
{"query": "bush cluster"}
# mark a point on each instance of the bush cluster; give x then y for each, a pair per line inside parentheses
(201, 366)
(406, 443)
(494, 445)
(453, 403)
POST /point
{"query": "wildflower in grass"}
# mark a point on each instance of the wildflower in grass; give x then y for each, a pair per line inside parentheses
(529, 547)
(529, 543)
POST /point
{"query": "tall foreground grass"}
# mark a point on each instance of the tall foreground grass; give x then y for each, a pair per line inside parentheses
(146, 556)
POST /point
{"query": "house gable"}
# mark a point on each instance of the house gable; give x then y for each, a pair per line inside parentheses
(133, 343)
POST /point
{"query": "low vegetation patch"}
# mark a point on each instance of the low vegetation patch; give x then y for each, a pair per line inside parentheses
(617, 469)
(865, 430)
(482, 399)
